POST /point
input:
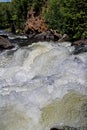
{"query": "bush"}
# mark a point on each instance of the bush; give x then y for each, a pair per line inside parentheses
(68, 16)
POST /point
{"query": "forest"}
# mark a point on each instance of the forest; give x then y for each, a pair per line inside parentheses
(66, 16)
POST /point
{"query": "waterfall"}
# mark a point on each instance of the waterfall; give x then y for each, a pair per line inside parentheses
(43, 85)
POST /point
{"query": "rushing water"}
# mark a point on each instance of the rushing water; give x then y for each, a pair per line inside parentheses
(42, 86)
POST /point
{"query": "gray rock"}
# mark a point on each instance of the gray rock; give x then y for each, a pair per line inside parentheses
(63, 38)
(5, 44)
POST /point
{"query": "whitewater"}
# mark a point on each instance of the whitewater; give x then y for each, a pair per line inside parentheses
(43, 85)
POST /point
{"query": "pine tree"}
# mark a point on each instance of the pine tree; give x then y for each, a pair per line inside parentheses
(68, 16)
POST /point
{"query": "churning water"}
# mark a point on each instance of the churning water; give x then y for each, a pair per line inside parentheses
(42, 86)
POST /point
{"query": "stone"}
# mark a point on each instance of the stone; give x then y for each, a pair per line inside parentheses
(63, 38)
(4, 35)
(5, 44)
(45, 36)
(54, 129)
(80, 42)
(80, 46)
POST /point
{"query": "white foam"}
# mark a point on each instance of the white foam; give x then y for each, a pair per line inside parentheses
(35, 76)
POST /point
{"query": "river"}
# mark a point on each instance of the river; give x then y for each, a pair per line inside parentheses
(43, 85)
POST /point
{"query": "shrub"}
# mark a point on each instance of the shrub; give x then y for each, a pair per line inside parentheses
(68, 16)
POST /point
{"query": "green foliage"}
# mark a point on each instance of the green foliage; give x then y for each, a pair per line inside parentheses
(68, 16)
(37, 5)
(16, 12)
(19, 11)
(5, 15)
(21, 8)
(52, 14)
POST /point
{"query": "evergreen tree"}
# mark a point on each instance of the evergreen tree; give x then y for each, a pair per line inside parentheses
(5, 15)
(68, 16)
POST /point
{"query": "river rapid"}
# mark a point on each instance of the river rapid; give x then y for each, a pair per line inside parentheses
(43, 85)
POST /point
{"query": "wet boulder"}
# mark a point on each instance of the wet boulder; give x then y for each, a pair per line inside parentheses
(80, 46)
(47, 35)
(4, 35)
(80, 42)
(5, 44)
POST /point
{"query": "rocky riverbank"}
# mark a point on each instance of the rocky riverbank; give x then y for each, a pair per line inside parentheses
(36, 28)
(9, 40)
